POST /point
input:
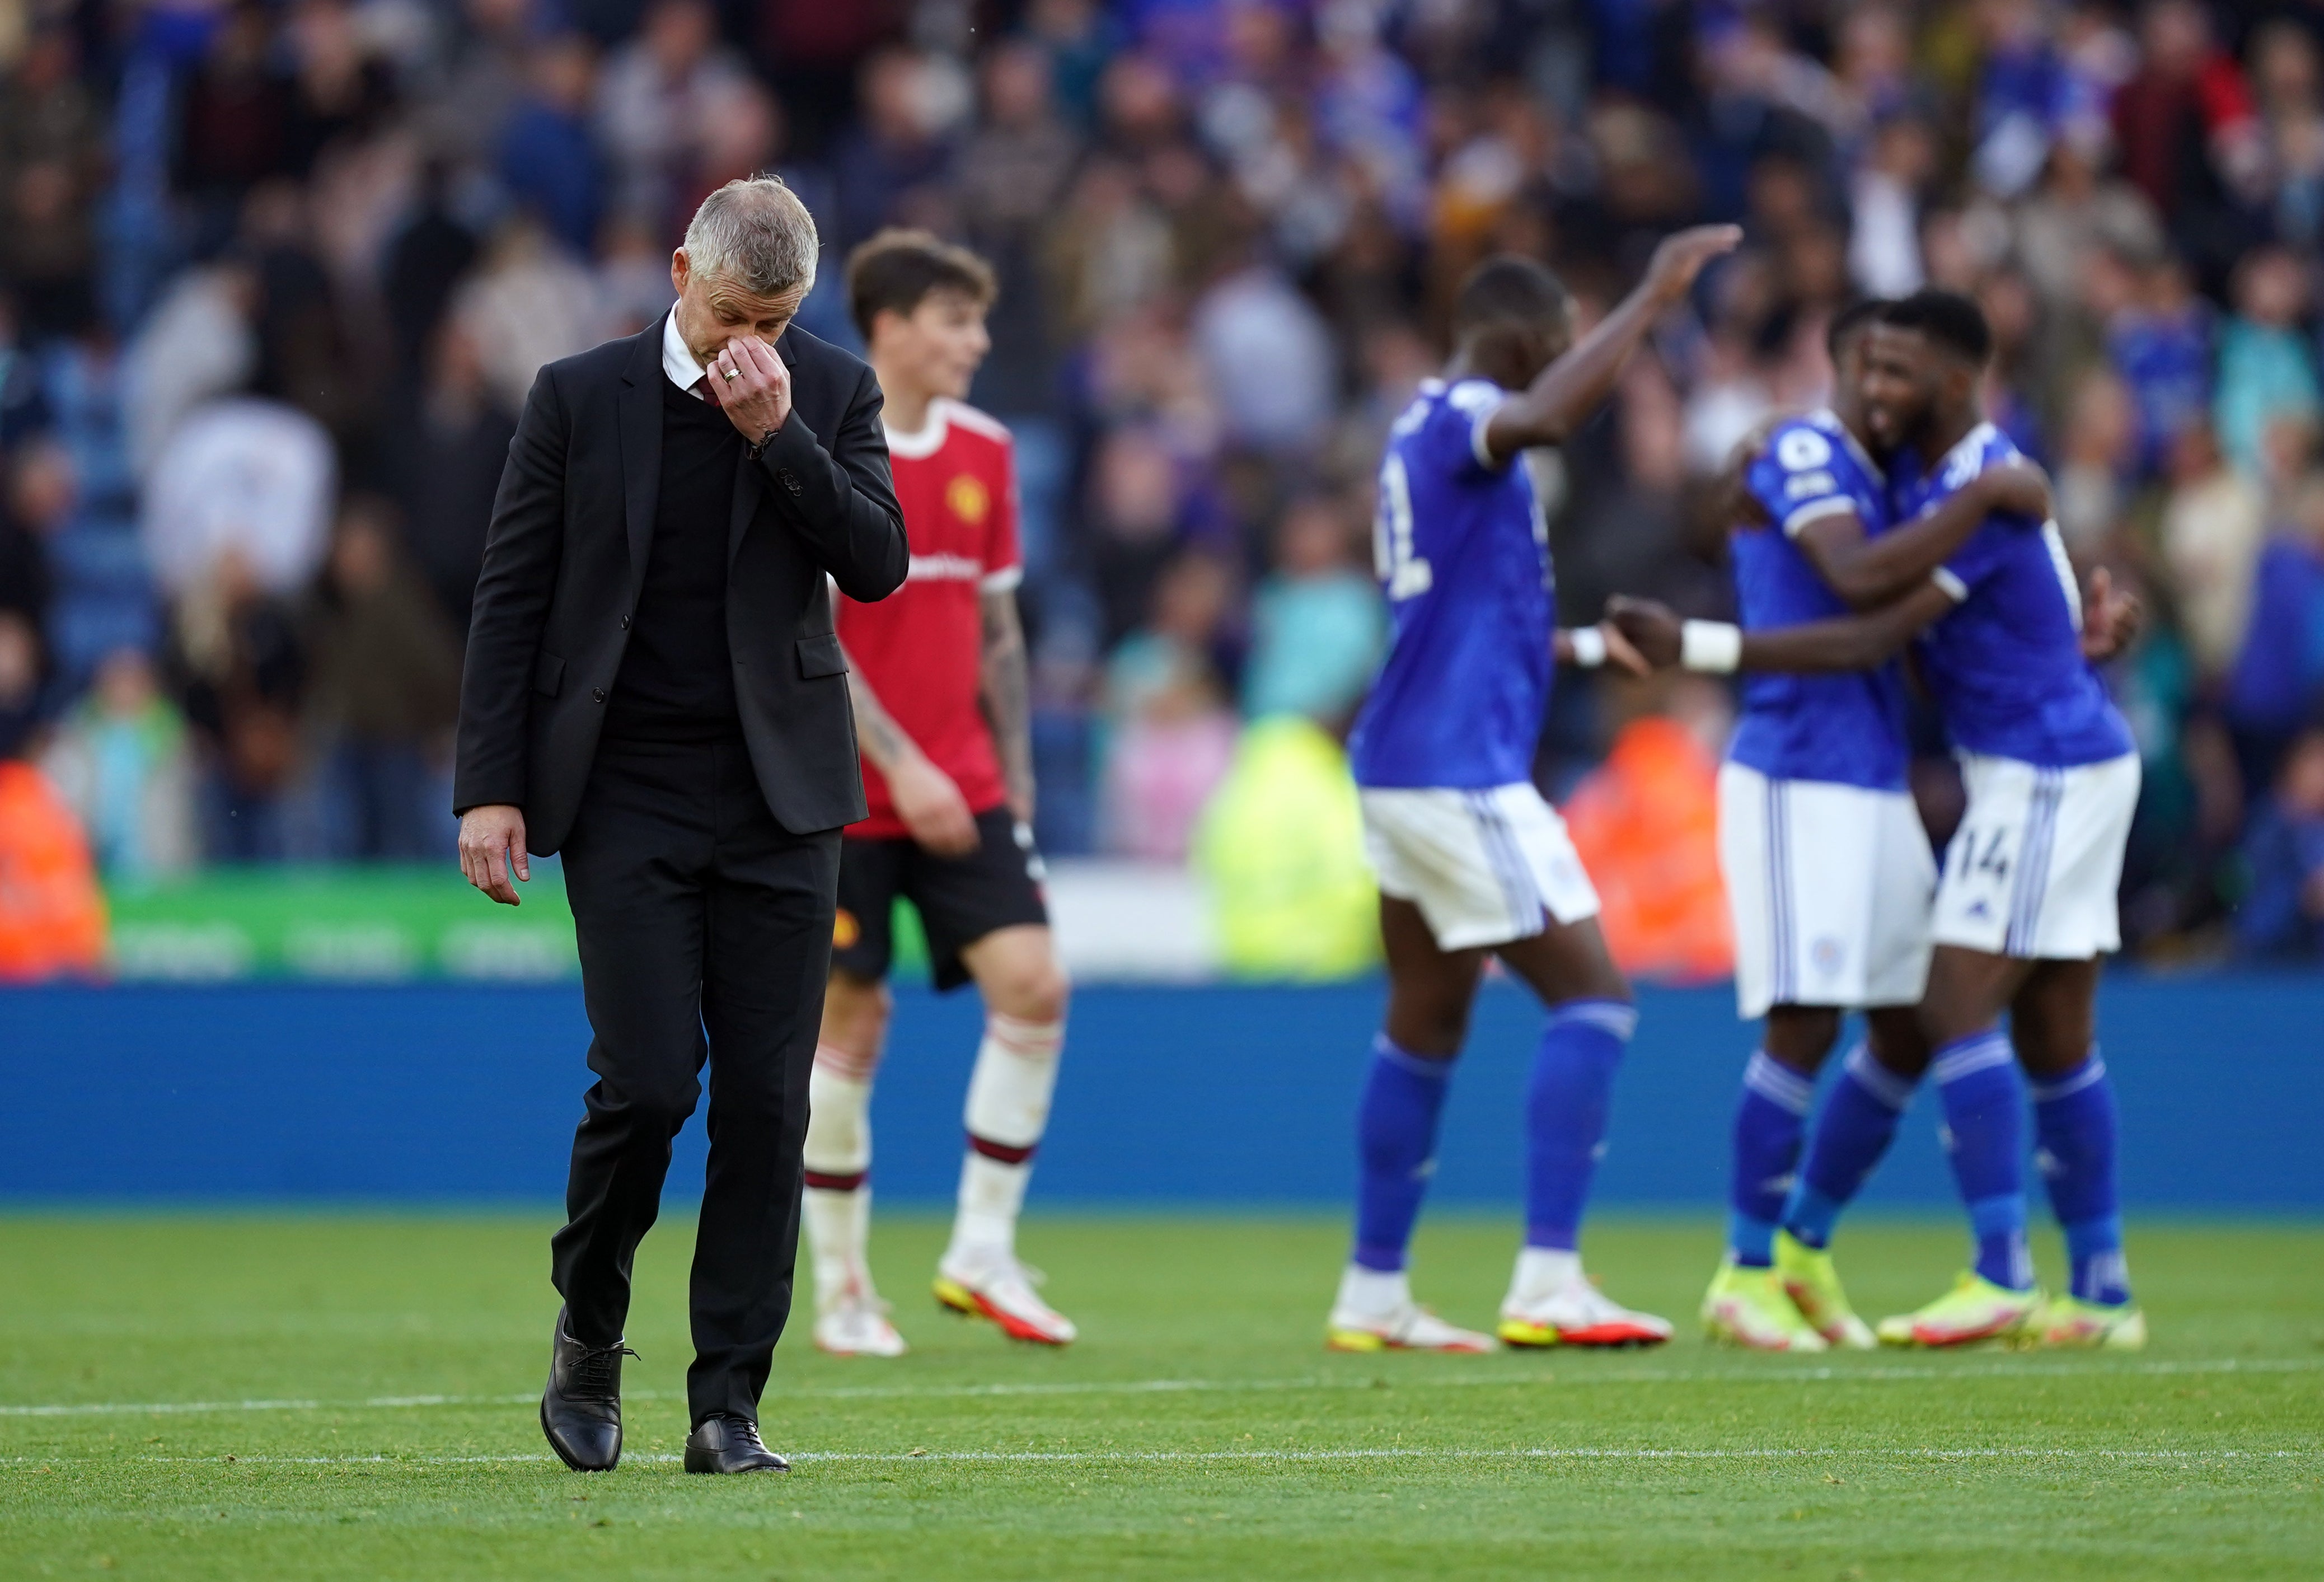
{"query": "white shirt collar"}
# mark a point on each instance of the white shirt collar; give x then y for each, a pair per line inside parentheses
(924, 440)
(678, 361)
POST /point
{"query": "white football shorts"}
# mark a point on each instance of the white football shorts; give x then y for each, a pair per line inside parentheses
(2033, 870)
(1830, 887)
(1484, 866)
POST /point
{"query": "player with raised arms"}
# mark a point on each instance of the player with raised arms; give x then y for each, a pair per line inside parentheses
(2025, 908)
(1471, 861)
(1828, 872)
(938, 677)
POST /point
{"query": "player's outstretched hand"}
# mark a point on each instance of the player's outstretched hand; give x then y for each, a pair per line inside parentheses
(2017, 488)
(1680, 257)
(1652, 628)
(932, 807)
(492, 850)
(2112, 618)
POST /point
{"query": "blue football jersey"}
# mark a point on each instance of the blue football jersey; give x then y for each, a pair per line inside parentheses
(1462, 553)
(2006, 668)
(1848, 728)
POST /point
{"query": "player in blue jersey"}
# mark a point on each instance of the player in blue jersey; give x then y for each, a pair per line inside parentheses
(1827, 870)
(2025, 908)
(1471, 861)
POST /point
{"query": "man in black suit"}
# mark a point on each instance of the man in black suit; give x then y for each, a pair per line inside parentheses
(653, 688)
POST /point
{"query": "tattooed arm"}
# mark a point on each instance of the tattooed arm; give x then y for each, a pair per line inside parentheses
(1007, 697)
(926, 799)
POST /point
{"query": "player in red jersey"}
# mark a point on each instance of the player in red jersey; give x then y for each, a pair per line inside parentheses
(938, 675)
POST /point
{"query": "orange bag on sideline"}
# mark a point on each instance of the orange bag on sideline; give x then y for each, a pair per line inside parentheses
(1647, 824)
(51, 911)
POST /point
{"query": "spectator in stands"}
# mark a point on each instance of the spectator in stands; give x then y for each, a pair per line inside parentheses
(445, 458)
(2213, 523)
(2283, 916)
(23, 403)
(52, 165)
(487, 56)
(527, 303)
(51, 914)
(40, 483)
(2096, 457)
(21, 664)
(894, 165)
(244, 676)
(340, 91)
(549, 160)
(121, 760)
(199, 343)
(2278, 682)
(233, 122)
(2267, 365)
(2159, 343)
(1170, 735)
(252, 478)
(384, 695)
(1268, 355)
(1317, 629)
(2285, 78)
(661, 95)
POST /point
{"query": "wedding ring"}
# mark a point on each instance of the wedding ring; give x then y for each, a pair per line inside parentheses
(731, 373)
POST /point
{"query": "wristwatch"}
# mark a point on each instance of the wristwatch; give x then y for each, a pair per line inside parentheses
(764, 441)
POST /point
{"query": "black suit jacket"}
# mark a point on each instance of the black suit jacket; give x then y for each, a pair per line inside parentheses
(566, 556)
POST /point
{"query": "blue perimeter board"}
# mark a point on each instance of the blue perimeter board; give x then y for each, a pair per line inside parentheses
(1216, 1096)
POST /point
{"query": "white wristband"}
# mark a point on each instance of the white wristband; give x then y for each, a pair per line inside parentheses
(1588, 646)
(1712, 646)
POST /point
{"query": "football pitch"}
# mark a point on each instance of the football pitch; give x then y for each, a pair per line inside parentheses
(327, 1395)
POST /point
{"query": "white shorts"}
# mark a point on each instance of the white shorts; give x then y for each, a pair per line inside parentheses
(2034, 869)
(1830, 887)
(1484, 866)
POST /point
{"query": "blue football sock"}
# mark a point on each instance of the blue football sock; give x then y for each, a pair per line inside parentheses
(2073, 1139)
(1395, 1146)
(1566, 1105)
(1853, 1130)
(1769, 1118)
(1985, 1134)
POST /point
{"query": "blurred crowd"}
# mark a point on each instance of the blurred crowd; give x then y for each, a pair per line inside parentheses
(278, 275)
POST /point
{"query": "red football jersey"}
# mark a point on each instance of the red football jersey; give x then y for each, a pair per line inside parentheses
(920, 649)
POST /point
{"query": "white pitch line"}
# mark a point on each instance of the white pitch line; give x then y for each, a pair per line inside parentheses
(1935, 1372)
(1380, 1453)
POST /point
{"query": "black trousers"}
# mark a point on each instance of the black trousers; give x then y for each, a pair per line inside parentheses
(705, 933)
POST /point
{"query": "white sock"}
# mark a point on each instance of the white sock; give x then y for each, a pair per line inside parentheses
(838, 1229)
(837, 1202)
(1372, 1293)
(1007, 1110)
(992, 1194)
(1544, 1272)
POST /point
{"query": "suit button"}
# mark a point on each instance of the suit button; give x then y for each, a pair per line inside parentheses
(789, 479)
(625, 622)
(597, 694)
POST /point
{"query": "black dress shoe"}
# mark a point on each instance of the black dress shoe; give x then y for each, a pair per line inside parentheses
(727, 1443)
(581, 1410)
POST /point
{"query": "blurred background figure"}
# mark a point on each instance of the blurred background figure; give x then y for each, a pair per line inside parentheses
(2282, 918)
(383, 696)
(121, 760)
(1317, 629)
(263, 261)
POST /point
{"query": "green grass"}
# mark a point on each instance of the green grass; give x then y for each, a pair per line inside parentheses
(1198, 1430)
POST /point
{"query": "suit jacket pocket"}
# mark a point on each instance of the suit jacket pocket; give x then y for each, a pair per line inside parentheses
(821, 655)
(548, 674)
